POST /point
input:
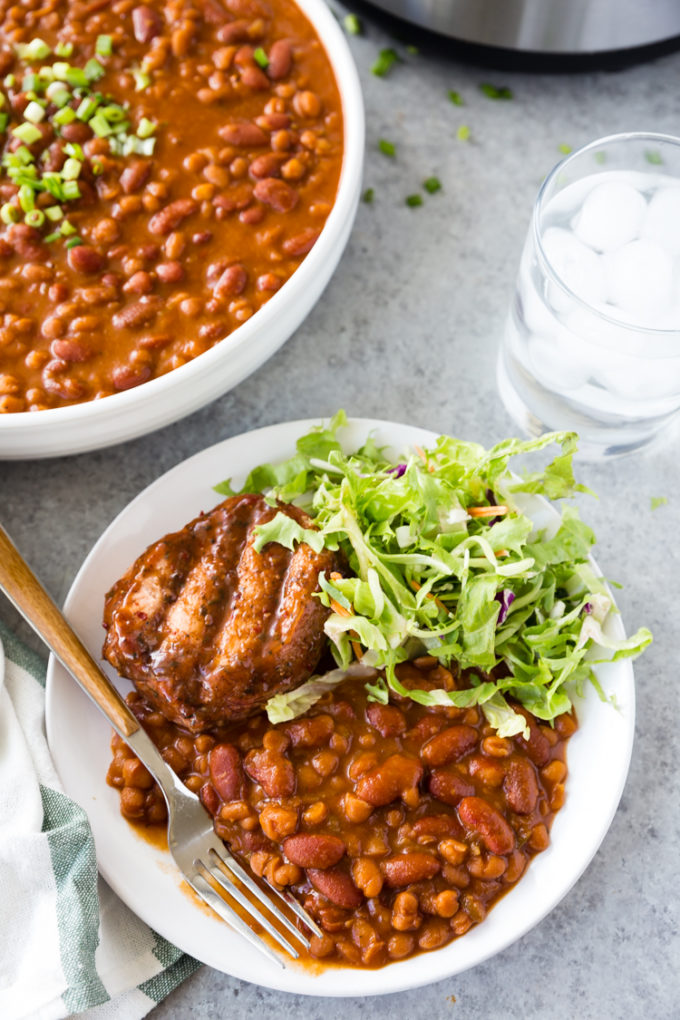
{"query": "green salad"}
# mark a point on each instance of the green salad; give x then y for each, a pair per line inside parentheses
(442, 560)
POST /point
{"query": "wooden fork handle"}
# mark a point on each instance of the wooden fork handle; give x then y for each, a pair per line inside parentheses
(22, 587)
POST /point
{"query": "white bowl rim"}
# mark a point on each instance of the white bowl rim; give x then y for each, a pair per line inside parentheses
(347, 80)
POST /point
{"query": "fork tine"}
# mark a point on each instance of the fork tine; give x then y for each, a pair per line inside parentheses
(297, 909)
(227, 864)
(228, 914)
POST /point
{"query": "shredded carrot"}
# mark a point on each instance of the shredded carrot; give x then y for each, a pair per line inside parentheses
(341, 611)
(488, 511)
(423, 456)
(417, 587)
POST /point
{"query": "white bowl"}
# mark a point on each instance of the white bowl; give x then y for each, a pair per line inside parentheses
(135, 412)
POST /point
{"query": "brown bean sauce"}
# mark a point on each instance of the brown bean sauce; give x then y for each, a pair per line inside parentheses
(397, 826)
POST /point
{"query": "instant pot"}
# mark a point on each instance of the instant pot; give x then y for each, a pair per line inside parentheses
(545, 26)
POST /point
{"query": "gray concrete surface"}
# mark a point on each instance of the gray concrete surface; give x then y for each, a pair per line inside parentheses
(408, 330)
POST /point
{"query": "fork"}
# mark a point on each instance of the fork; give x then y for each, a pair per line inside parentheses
(204, 860)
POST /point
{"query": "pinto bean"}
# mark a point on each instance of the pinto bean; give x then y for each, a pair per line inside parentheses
(226, 771)
(27, 242)
(391, 779)
(272, 771)
(168, 219)
(232, 281)
(146, 23)
(405, 869)
(309, 850)
(482, 818)
(244, 135)
(337, 886)
(521, 786)
(85, 259)
(70, 350)
(266, 165)
(313, 732)
(126, 377)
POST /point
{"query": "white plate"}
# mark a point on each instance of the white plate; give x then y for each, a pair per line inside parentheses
(144, 877)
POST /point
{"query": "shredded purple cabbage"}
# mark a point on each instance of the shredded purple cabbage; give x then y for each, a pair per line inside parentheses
(399, 470)
(506, 598)
(588, 607)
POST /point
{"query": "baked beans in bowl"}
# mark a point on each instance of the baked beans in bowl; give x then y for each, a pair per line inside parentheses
(439, 858)
(178, 183)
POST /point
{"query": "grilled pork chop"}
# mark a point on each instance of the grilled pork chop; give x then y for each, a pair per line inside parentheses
(208, 629)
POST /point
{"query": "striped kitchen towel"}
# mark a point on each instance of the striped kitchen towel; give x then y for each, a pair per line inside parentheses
(67, 944)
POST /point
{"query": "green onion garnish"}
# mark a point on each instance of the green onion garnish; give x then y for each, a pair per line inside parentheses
(28, 133)
(35, 218)
(142, 79)
(36, 49)
(386, 59)
(64, 116)
(75, 150)
(352, 24)
(75, 76)
(74, 242)
(94, 70)
(9, 81)
(114, 113)
(146, 128)
(71, 170)
(368, 196)
(9, 213)
(34, 113)
(100, 125)
(87, 108)
(414, 200)
(564, 148)
(653, 157)
(104, 45)
(432, 184)
(455, 98)
(66, 229)
(63, 49)
(30, 83)
(70, 190)
(4, 118)
(261, 58)
(387, 148)
(26, 197)
(495, 91)
(52, 237)
(463, 133)
(54, 213)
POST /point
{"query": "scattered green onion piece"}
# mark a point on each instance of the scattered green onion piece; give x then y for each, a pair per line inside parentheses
(368, 196)
(86, 108)
(261, 58)
(600, 157)
(75, 150)
(74, 242)
(76, 77)
(387, 148)
(34, 113)
(30, 83)
(495, 91)
(564, 148)
(28, 133)
(653, 157)
(3, 101)
(64, 116)
(52, 237)
(104, 45)
(414, 200)
(145, 146)
(71, 170)
(64, 49)
(67, 229)
(114, 113)
(100, 125)
(60, 69)
(46, 74)
(9, 213)
(52, 183)
(22, 156)
(94, 70)
(36, 49)
(353, 24)
(26, 197)
(4, 118)
(455, 98)
(57, 94)
(413, 50)
(97, 168)
(70, 190)
(432, 184)
(9, 81)
(386, 59)
(463, 133)
(54, 213)
(142, 79)
(35, 218)
(146, 128)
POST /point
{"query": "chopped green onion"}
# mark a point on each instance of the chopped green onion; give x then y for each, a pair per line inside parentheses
(30, 83)
(28, 133)
(600, 157)
(94, 70)
(142, 79)
(35, 218)
(387, 148)
(66, 229)
(57, 94)
(70, 190)
(34, 113)
(86, 108)
(75, 150)
(261, 58)
(564, 148)
(455, 98)
(114, 113)
(104, 45)
(52, 183)
(146, 128)
(54, 213)
(653, 157)
(432, 184)
(74, 242)
(657, 501)
(71, 170)
(36, 49)
(26, 197)
(9, 213)
(97, 168)
(2, 101)
(4, 118)
(352, 24)
(463, 133)
(412, 49)
(100, 125)
(64, 116)
(9, 81)
(495, 91)
(368, 196)
(22, 156)
(76, 77)
(64, 49)
(52, 237)
(386, 59)
(414, 200)
(46, 74)
(60, 69)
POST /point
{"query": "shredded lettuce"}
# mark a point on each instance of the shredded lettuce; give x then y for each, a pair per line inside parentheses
(486, 593)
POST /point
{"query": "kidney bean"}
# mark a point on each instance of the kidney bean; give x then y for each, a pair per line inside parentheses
(234, 32)
(449, 787)
(449, 745)
(170, 272)
(85, 259)
(537, 746)
(146, 23)
(139, 283)
(125, 377)
(139, 314)
(482, 818)
(436, 827)
(521, 786)
(280, 59)
(135, 176)
(209, 798)
(391, 779)
(276, 193)
(302, 242)
(337, 886)
(253, 77)
(76, 131)
(313, 850)
(232, 281)
(266, 165)
(273, 121)
(488, 771)
(169, 218)
(269, 282)
(272, 771)
(388, 720)
(244, 135)
(407, 868)
(226, 772)
(27, 242)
